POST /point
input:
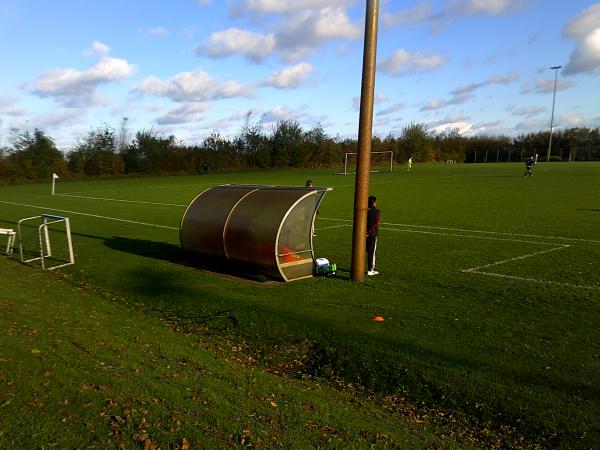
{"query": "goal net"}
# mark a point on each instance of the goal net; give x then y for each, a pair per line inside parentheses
(380, 162)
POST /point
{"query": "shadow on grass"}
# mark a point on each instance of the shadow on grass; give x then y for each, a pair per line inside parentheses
(149, 249)
(176, 255)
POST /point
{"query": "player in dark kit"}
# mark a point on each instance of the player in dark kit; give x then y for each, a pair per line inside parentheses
(529, 166)
(373, 221)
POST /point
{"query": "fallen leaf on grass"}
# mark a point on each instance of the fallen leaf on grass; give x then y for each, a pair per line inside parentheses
(185, 445)
(35, 350)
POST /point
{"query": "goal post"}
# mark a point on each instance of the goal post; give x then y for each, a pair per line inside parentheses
(380, 162)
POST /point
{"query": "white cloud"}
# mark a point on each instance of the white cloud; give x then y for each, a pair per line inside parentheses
(487, 127)
(586, 55)
(392, 109)
(531, 125)
(185, 113)
(155, 32)
(585, 29)
(570, 120)
(469, 88)
(75, 88)
(528, 111)
(8, 106)
(254, 46)
(432, 105)
(420, 12)
(455, 122)
(193, 86)
(53, 119)
(586, 22)
(98, 48)
(423, 12)
(290, 77)
(282, 7)
(271, 117)
(487, 7)
(300, 28)
(381, 122)
(546, 85)
(302, 32)
(403, 63)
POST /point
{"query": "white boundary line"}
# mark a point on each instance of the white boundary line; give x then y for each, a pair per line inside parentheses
(436, 233)
(473, 231)
(535, 280)
(516, 258)
(145, 187)
(476, 270)
(48, 208)
(428, 227)
(333, 226)
(489, 238)
(528, 279)
(117, 200)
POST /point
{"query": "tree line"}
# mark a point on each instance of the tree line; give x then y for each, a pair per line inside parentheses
(105, 151)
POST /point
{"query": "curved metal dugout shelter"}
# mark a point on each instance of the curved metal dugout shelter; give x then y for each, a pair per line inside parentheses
(265, 229)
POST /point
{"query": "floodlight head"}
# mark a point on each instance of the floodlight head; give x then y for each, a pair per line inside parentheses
(555, 67)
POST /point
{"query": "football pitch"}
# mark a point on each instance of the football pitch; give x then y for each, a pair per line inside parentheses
(489, 284)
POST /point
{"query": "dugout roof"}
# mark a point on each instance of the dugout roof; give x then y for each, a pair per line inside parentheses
(264, 229)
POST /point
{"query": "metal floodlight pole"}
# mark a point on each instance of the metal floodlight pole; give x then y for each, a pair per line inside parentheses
(365, 130)
(555, 68)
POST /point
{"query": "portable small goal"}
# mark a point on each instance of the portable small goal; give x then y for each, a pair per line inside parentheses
(43, 244)
(380, 162)
(10, 239)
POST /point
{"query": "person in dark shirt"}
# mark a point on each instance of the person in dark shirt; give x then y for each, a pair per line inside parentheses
(373, 221)
(529, 166)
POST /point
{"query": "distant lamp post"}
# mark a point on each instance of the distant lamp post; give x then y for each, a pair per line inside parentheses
(555, 68)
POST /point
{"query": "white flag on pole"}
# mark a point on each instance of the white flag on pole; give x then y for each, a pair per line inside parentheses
(54, 176)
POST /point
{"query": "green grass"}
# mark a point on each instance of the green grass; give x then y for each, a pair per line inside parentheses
(519, 354)
(81, 370)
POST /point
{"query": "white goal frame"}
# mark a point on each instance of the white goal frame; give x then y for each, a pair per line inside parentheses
(353, 169)
(44, 240)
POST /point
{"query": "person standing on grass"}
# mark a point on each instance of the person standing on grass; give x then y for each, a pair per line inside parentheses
(528, 166)
(373, 221)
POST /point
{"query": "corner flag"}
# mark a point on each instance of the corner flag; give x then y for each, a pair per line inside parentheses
(54, 176)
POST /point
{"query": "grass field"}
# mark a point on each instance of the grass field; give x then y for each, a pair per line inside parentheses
(489, 283)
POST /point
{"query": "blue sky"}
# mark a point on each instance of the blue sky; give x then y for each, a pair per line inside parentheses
(187, 67)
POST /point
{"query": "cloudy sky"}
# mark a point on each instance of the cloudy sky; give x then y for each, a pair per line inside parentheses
(187, 67)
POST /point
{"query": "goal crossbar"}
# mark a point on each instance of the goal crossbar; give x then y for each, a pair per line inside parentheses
(352, 169)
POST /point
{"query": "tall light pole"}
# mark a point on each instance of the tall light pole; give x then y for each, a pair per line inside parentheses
(365, 131)
(555, 68)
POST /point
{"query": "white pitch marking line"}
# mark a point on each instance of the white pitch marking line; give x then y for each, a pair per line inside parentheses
(333, 226)
(144, 187)
(535, 280)
(516, 258)
(473, 231)
(488, 238)
(435, 233)
(47, 208)
(118, 200)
